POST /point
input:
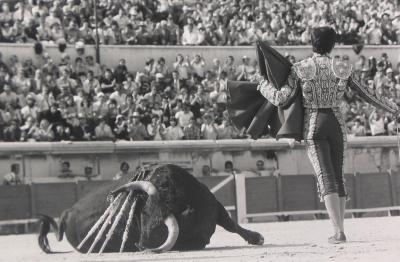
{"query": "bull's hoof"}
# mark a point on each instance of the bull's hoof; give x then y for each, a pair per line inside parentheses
(256, 239)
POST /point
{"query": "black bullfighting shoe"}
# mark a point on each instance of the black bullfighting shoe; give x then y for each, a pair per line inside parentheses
(338, 238)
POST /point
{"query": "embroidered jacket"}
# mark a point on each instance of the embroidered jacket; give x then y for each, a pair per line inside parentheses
(323, 81)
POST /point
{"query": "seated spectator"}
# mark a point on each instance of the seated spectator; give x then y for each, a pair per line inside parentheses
(118, 95)
(44, 132)
(197, 67)
(392, 127)
(103, 131)
(228, 169)
(190, 34)
(174, 131)
(100, 106)
(161, 68)
(182, 67)
(120, 71)
(124, 171)
(183, 116)
(358, 129)
(156, 129)
(245, 70)
(107, 82)
(209, 83)
(8, 96)
(28, 129)
(206, 171)
(91, 65)
(230, 68)
(143, 37)
(62, 133)
(65, 171)
(137, 131)
(77, 129)
(208, 129)
(377, 124)
(226, 130)
(12, 178)
(12, 133)
(121, 128)
(191, 131)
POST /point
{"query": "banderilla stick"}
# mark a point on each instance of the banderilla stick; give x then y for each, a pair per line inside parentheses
(128, 223)
(108, 220)
(115, 223)
(98, 223)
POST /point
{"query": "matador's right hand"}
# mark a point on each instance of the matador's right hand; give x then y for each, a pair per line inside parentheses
(264, 82)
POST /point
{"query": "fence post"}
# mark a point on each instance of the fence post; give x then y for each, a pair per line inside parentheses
(240, 188)
(393, 176)
(357, 190)
(279, 192)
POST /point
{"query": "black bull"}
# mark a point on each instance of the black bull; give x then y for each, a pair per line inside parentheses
(195, 208)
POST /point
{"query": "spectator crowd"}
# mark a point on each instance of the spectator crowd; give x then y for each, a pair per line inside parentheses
(80, 100)
(195, 22)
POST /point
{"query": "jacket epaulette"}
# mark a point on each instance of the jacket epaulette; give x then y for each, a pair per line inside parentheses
(341, 69)
(305, 69)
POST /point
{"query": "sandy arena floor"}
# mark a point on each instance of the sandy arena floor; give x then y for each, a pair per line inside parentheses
(370, 239)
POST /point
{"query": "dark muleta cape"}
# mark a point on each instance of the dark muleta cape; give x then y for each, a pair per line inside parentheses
(249, 109)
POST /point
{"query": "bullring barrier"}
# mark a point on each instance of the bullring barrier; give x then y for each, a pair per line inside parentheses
(136, 56)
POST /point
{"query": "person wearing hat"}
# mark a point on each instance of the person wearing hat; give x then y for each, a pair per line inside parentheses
(143, 37)
(137, 131)
(322, 81)
(100, 107)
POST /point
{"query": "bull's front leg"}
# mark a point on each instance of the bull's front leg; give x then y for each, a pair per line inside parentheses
(224, 220)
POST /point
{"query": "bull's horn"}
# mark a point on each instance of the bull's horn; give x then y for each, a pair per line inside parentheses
(145, 186)
(173, 233)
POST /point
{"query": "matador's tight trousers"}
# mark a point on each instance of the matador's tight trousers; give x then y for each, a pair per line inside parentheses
(325, 148)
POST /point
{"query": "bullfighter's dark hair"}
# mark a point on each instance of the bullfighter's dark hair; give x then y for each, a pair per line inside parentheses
(323, 39)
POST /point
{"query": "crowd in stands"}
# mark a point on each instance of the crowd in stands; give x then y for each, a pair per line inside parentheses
(81, 100)
(195, 22)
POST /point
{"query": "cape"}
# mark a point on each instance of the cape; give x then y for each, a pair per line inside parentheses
(248, 109)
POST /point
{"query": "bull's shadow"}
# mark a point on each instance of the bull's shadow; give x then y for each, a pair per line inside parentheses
(253, 247)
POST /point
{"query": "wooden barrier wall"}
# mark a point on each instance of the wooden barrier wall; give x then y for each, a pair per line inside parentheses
(136, 55)
(262, 194)
(298, 193)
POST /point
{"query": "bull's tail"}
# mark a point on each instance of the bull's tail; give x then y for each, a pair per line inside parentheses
(45, 224)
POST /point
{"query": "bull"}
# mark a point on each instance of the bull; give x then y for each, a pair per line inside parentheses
(163, 208)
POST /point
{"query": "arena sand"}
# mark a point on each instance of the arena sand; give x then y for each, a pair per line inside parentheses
(370, 239)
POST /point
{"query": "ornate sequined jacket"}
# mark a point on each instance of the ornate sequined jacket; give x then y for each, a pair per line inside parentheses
(323, 82)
